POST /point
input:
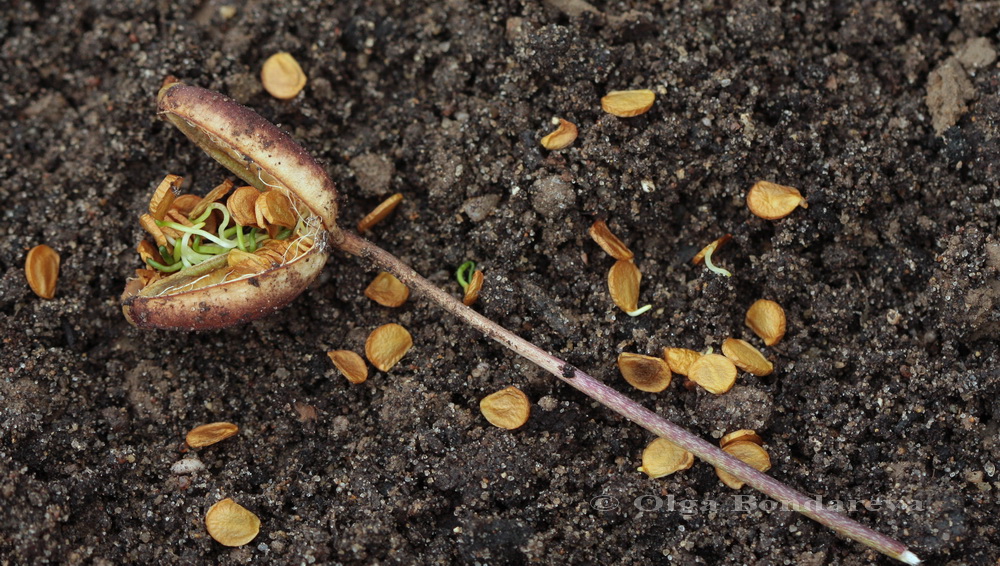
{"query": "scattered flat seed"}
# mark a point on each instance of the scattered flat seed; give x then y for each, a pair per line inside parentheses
(472, 291)
(610, 243)
(350, 365)
(623, 283)
(508, 408)
(742, 435)
(41, 268)
(387, 291)
(209, 434)
(231, 524)
(628, 103)
(380, 213)
(771, 201)
(662, 458)
(767, 320)
(746, 357)
(680, 359)
(387, 344)
(282, 76)
(714, 372)
(749, 452)
(563, 137)
(645, 373)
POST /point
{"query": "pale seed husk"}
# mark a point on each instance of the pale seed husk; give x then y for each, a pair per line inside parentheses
(645, 373)
(282, 76)
(214, 195)
(387, 291)
(623, 283)
(242, 206)
(209, 434)
(742, 435)
(767, 320)
(750, 453)
(746, 357)
(662, 458)
(231, 524)
(680, 359)
(714, 372)
(508, 408)
(713, 247)
(350, 365)
(472, 291)
(772, 201)
(610, 243)
(628, 103)
(41, 268)
(386, 345)
(164, 196)
(148, 224)
(380, 212)
(563, 136)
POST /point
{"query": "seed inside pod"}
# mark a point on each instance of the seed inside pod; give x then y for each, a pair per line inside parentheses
(164, 196)
(350, 365)
(282, 76)
(746, 357)
(662, 458)
(628, 103)
(749, 452)
(623, 283)
(645, 373)
(610, 243)
(380, 213)
(242, 205)
(472, 291)
(41, 268)
(508, 408)
(231, 524)
(772, 201)
(714, 372)
(563, 137)
(387, 291)
(767, 320)
(209, 434)
(680, 359)
(386, 345)
(744, 435)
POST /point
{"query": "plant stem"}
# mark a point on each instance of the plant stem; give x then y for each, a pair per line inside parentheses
(619, 403)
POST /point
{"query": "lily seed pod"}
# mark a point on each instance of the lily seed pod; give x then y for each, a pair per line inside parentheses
(680, 359)
(623, 283)
(767, 320)
(380, 213)
(742, 435)
(231, 524)
(209, 434)
(751, 453)
(350, 365)
(772, 201)
(282, 76)
(387, 291)
(610, 243)
(41, 268)
(645, 373)
(199, 287)
(628, 103)
(563, 137)
(662, 458)
(386, 345)
(746, 357)
(508, 408)
(714, 372)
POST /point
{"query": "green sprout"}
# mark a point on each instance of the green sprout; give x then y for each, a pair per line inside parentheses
(464, 273)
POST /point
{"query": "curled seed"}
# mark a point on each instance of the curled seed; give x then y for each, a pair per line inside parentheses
(742, 435)
(387, 291)
(148, 224)
(714, 372)
(563, 136)
(749, 452)
(380, 213)
(767, 320)
(628, 103)
(214, 195)
(164, 196)
(282, 76)
(209, 434)
(662, 458)
(231, 524)
(746, 357)
(386, 345)
(610, 243)
(472, 291)
(623, 283)
(41, 268)
(350, 365)
(772, 201)
(645, 373)
(680, 359)
(508, 408)
(185, 204)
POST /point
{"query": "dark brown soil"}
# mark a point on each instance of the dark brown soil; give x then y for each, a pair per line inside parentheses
(885, 114)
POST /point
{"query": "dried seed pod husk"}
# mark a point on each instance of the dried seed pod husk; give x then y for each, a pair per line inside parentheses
(623, 283)
(772, 201)
(508, 408)
(164, 196)
(380, 213)
(680, 359)
(472, 291)
(645, 373)
(41, 268)
(713, 247)
(242, 206)
(767, 320)
(282, 76)
(628, 103)
(746, 357)
(742, 435)
(209, 434)
(662, 458)
(750, 453)
(563, 136)
(713, 372)
(387, 291)
(610, 243)
(386, 345)
(350, 365)
(231, 524)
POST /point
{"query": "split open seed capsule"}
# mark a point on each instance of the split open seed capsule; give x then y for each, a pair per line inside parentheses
(197, 286)
(662, 458)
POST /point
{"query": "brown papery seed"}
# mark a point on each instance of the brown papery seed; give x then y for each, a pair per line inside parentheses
(163, 197)
(214, 195)
(628, 103)
(380, 213)
(209, 434)
(645, 373)
(771, 201)
(350, 365)
(276, 208)
(563, 137)
(746, 357)
(662, 458)
(41, 268)
(610, 243)
(386, 345)
(680, 359)
(242, 205)
(750, 453)
(713, 247)
(231, 524)
(185, 204)
(742, 435)
(623, 283)
(282, 76)
(714, 372)
(387, 291)
(472, 291)
(148, 224)
(508, 408)
(767, 320)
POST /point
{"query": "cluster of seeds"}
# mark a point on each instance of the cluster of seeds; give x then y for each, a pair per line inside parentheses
(621, 103)
(624, 276)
